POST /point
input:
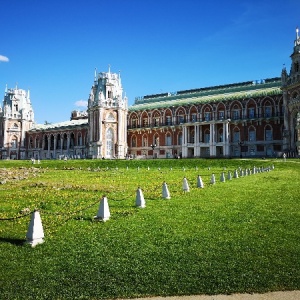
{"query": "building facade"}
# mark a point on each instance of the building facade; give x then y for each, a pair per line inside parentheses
(248, 119)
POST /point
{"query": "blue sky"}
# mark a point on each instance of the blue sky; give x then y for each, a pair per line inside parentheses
(53, 47)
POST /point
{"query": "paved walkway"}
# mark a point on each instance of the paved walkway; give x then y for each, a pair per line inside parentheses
(289, 295)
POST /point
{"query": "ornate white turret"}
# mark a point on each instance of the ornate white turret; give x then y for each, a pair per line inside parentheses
(16, 117)
(107, 111)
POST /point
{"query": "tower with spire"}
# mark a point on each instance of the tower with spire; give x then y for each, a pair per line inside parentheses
(16, 118)
(107, 114)
(291, 100)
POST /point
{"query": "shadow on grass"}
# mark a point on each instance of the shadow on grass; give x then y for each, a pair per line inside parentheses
(16, 242)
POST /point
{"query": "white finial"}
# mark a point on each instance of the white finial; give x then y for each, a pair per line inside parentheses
(28, 94)
(16, 86)
(108, 69)
(5, 89)
(297, 33)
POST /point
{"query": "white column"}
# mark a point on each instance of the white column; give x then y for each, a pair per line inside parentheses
(226, 138)
(212, 144)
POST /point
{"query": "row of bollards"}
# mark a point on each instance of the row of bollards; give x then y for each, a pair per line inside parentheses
(35, 233)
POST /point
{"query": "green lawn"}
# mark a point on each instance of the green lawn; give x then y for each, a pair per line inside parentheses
(237, 236)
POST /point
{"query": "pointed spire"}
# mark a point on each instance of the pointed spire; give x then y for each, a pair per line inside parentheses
(5, 89)
(95, 75)
(28, 95)
(297, 33)
(108, 69)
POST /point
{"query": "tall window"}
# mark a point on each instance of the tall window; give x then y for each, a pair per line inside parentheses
(252, 135)
(30, 143)
(79, 139)
(207, 116)
(145, 122)
(37, 143)
(251, 112)
(181, 119)
(194, 117)
(109, 142)
(206, 136)
(134, 123)
(268, 134)
(168, 140)
(236, 136)
(168, 120)
(145, 141)
(236, 114)
(221, 115)
(14, 142)
(220, 136)
(268, 111)
(133, 141)
(180, 139)
(192, 137)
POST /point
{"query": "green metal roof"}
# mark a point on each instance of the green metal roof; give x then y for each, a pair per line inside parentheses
(223, 93)
(61, 125)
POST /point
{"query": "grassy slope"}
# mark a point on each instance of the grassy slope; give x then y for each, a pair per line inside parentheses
(237, 236)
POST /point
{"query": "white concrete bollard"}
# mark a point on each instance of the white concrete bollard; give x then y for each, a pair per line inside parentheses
(140, 200)
(222, 177)
(35, 233)
(103, 213)
(165, 191)
(235, 174)
(229, 176)
(200, 183)
(213, 179)
(185, 185)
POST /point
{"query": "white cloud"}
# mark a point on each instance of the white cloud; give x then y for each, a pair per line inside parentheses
(3, 58)
(81, 103)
